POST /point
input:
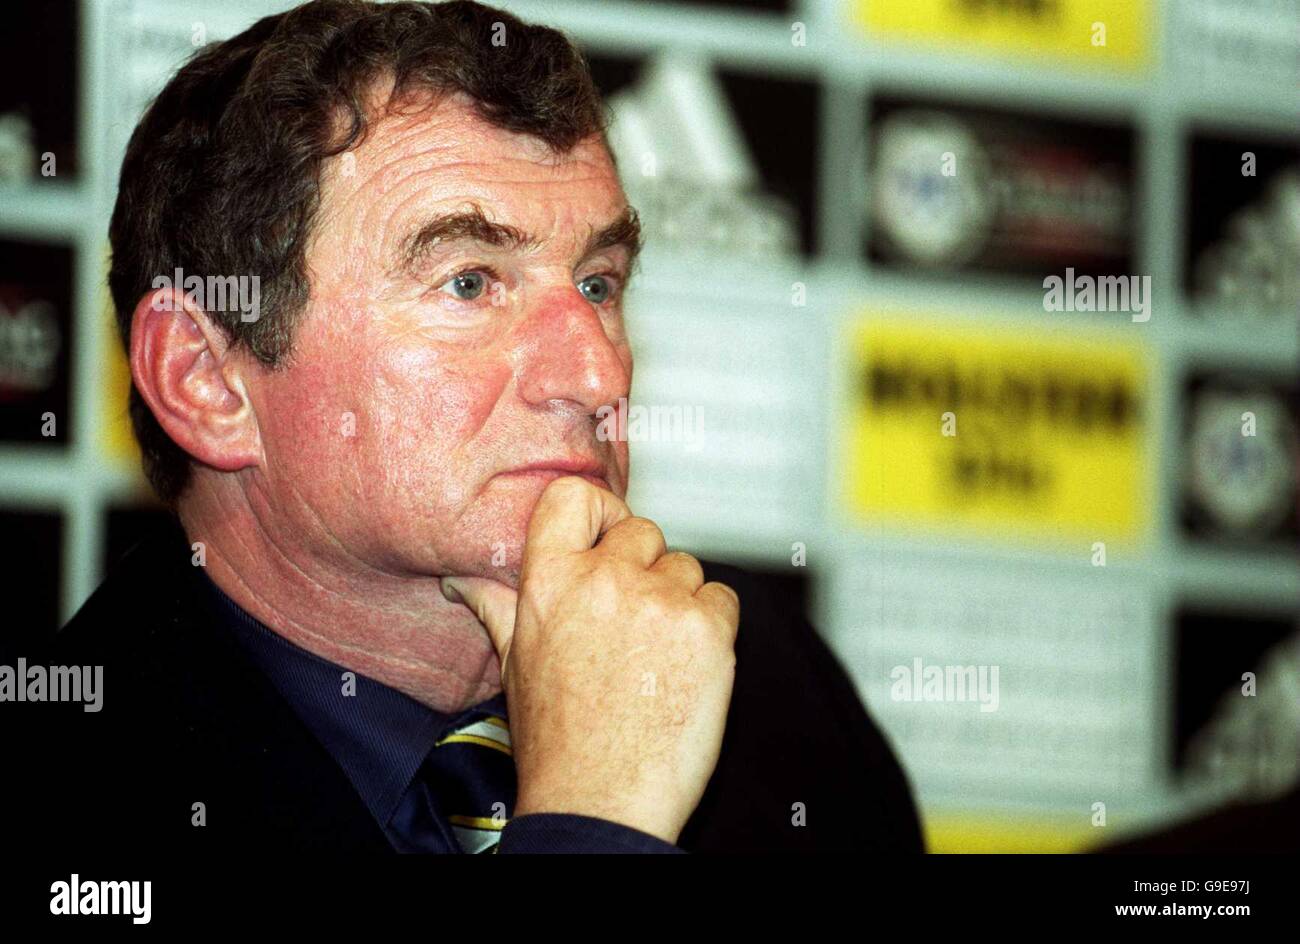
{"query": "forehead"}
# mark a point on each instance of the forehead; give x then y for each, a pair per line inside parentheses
(435, 157)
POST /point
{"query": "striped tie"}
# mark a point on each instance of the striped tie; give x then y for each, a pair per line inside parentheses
(472, 775)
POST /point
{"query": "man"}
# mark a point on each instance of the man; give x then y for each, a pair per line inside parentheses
(396, 517)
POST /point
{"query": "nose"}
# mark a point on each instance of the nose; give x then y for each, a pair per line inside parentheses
(564, 352)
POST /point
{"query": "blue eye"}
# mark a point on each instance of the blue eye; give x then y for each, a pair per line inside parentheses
(597, 289)
(467, 286)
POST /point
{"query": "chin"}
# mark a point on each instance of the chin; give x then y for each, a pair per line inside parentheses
(491, 537)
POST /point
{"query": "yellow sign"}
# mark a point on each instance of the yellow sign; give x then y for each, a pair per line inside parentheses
(1112, 33)
(995, 833)
(118, 440)
(997, 431)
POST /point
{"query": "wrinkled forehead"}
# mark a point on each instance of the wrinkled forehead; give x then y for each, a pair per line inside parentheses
(431, 155)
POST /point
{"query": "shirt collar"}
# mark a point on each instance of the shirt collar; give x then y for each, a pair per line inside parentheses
(377, 734)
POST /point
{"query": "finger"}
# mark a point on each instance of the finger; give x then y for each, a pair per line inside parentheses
(492, 602)
(635, 539)
(721, 600)
(571, 516)
(681, 568)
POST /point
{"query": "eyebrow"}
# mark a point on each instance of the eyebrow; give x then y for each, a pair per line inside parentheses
(472, 225)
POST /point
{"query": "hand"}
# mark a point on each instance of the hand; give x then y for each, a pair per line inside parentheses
(617, 662)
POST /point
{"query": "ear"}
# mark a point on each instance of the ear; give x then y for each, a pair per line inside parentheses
(182, 365)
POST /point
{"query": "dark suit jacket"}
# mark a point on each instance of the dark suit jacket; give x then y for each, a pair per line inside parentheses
(188, 719)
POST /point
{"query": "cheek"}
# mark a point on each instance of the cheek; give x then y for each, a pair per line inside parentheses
(429, 397)
(309, 413)
(315, 408)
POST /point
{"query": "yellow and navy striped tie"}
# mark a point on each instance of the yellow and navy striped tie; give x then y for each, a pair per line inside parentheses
(473, 778)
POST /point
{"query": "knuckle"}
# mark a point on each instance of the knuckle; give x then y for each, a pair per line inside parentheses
(666, 610)
(642, 527)
(735, 597)
(604, 584)
(696, 619)
(730, 593)
(685, 561)
(727, 610)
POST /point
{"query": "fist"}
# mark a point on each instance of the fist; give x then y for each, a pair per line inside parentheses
(617, 662)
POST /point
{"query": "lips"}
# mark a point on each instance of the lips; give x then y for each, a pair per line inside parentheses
(549, 469)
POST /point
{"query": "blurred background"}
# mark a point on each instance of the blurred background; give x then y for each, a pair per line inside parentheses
(852, 207)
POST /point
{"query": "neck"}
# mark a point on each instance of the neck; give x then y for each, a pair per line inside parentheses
(395, 628)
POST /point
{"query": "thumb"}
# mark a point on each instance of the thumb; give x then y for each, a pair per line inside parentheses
(492, 602)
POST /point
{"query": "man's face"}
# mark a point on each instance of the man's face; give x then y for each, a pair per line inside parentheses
(431, 366)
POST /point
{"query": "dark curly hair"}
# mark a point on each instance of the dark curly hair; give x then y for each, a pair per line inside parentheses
(222, 174)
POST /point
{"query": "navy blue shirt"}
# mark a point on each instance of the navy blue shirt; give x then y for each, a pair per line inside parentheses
(382, 740)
